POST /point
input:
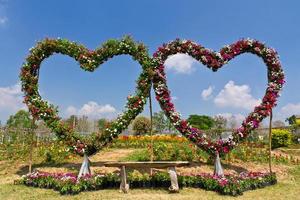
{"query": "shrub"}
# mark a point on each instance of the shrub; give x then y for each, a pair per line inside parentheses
(141, 125)
(281, 138)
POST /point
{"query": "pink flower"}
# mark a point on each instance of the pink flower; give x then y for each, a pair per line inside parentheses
(226, 149)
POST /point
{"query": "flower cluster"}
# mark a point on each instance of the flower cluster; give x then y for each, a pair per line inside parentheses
(89, 60)
(227, 185)
(149, 138)
(216, 60)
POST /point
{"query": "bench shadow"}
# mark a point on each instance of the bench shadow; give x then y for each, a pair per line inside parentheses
(233, 167)
(76, 166)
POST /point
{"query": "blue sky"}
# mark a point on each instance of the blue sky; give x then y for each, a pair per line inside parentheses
(233, 90)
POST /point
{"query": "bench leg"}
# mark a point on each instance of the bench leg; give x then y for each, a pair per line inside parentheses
(124, 187)
(174, 182)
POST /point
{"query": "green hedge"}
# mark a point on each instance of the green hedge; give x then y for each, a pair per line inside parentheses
(281, 138)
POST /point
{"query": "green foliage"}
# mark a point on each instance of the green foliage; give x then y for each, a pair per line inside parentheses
(174, 151)
(281, 138)
(72, 121)
(54, 152)
(291, 120)
(141, 125)
(161, 123)
(19, 120)
(138, 155)
(169, 152)
(202, 122)
(257, 152)
(47, 152)
(102, 123)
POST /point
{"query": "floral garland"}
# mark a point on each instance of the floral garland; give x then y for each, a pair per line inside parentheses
(153, 72)
(216, 60)
(89, 60)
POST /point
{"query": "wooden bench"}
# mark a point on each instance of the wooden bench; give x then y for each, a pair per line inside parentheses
(171, 165)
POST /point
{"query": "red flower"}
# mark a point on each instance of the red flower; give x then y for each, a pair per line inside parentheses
(226, 149)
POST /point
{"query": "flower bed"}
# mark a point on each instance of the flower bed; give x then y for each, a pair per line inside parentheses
(67, 183)
(143, 141)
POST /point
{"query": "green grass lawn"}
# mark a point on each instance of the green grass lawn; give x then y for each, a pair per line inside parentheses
(287, 188)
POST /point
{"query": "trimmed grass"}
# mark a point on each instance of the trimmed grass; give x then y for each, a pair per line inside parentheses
(288, 187)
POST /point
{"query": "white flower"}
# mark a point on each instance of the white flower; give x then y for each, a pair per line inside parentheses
(204, 58)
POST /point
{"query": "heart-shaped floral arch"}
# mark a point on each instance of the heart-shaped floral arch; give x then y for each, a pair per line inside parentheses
(152, 71)
(216, 60)
(89, 60)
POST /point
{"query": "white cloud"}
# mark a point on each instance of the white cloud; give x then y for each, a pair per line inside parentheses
(3, 20)
(207, 93)
(11, 100)
(286, 111)
(290, 109)
(71, 110)
(180, 63)
(238, 118)
(236, 96)
(92, 110)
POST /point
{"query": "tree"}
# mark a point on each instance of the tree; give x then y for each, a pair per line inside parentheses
(291, 120)
(232, 122)
(201, 121)
(80, 124)
(141, 125)
(220, 122)
(103, 124)
(83, 124)
(170, 127)
(19, 120)
(159, 122)
(72, 121)
(17, 123)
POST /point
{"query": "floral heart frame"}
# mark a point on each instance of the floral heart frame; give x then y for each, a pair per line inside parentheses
(216, 60)
(89, 60)
(152, 73)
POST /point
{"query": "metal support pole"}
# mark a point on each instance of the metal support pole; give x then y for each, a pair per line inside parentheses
(151, 127)
(32, 133)
(270, 141)
(31, 145)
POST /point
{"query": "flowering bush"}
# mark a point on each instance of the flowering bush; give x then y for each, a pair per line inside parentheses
(216, 60)
(281, 138)
(143, 141)
(163, 151)
(228, 185)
